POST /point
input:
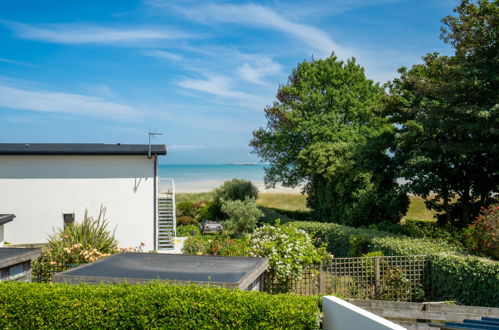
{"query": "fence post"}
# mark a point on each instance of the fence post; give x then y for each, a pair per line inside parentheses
(321, 279)
(377, 278)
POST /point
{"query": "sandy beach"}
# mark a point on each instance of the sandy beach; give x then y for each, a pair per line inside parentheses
(208, 185)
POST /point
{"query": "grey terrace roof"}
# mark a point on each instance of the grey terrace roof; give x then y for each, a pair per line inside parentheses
(4, 218)
(12, 256)
(231, 272)
(54, 149)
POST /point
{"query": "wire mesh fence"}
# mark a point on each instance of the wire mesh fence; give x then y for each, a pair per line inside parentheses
(43, 268)
(399, 278)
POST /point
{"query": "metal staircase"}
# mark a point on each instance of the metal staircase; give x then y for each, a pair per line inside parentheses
(167, 220)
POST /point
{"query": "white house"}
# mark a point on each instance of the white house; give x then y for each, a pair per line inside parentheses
(48, 185)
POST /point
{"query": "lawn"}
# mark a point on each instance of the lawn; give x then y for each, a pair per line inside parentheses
(297, 202)
(285, 201)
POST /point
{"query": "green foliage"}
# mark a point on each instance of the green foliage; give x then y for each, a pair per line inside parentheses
(298, 215)
(76, 244)
(207, 211)
(217, 245)
(483, 234)
(289, 251)
(243, 215)
(186, 221)
(201, 197)
(186, 209)
(196, 245)
(447, 117)
(423, 229)
(151, 306)
(345, 241)
(233, 190)
(324, 130)
(188, 230)
(469, 280)
(270, 216)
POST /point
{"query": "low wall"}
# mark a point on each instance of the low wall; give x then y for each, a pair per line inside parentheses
(341, 315)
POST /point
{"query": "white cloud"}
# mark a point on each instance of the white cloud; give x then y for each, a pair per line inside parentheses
(161, 54)
(261, 68)
(216, 85)
(187, 146)
(46, 101)
(72, 33)
(260, 16)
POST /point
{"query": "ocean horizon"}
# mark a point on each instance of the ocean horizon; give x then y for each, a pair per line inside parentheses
(205, 177)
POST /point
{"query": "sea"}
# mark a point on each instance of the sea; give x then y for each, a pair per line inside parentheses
(205, 177)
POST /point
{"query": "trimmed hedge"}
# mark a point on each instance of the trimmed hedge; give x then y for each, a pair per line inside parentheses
(345, 241)
(155, 305)
(469, 280)
(452, 276)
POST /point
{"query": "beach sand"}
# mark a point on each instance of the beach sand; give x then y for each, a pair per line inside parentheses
(208, 185)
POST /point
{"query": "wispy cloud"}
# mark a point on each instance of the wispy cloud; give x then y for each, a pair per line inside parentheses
(259, 69)
(264, 17)
(73, 33)
(6, 60)
(162, 55)
(187, 146)
(215, 85)
(47, 101)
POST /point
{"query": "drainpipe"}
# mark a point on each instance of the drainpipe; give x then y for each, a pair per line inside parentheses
(155, 198)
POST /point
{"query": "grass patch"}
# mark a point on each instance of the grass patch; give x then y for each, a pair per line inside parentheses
(194, 197)
(418, 211)
(292, 202)
(297, 202)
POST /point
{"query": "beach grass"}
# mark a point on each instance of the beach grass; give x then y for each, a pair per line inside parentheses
(297, 202)
(418, 211)
(285, 201)
(194, 197)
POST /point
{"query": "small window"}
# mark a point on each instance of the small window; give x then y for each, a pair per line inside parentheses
(69, 219)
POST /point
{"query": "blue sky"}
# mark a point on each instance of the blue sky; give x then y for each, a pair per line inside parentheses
(200, 72)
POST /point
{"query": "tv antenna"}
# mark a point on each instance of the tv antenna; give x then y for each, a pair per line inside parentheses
(151, 134)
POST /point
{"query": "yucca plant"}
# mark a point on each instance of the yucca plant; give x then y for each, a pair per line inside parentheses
(76, 244)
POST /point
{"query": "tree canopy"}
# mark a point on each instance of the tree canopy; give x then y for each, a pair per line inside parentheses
(323, 131)
(447, 115)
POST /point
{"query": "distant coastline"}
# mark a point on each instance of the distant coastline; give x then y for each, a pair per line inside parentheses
(206, 177)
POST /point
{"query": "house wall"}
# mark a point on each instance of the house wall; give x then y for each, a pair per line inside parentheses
(1, 236)
(40, 189)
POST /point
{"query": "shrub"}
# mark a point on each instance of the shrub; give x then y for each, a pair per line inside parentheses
(154, 305)
(270, 215)
(76, 244)
(207, 211)
(217, 245)
(232, 190)
(243, 215)
(195, 245)
(345, 241)
(298, 215)
(189, 230)
(186, 209)
(469, 280)
(186, 221)
(483, 234)
(289, 250)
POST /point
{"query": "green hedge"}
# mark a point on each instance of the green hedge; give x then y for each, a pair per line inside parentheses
(155, 305)
(469, 280)
(345, 241)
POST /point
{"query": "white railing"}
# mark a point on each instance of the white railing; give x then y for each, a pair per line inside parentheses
(166, 190)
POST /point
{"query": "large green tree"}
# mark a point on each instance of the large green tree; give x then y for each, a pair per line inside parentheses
(448, 117)
(323, 131)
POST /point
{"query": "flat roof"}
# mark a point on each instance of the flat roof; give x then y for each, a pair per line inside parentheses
(232, 272)
(4, 218)
(53, 149)
(12, 256)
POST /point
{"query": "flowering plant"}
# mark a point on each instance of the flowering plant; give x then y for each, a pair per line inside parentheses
(289, 251)
(76, 244)
(483, 234)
